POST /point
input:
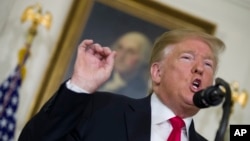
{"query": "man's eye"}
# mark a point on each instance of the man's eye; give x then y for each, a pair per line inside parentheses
(209, 64)
(186, 57)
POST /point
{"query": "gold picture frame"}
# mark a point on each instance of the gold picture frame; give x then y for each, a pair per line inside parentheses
(146, 10)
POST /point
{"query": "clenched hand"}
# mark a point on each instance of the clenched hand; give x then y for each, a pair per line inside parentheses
(93, 65)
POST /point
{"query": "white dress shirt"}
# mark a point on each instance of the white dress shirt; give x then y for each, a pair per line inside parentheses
(75, 88)
(160, 126)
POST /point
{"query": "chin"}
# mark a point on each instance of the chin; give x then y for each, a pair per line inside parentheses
(191, 105)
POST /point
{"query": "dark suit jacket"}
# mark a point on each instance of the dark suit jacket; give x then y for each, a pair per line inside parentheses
(70, 116)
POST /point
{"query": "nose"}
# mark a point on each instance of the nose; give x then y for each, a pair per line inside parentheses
(198, 68)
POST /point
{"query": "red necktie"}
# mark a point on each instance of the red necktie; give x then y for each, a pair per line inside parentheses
(177, 123)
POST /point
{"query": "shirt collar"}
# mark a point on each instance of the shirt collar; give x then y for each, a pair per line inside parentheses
(160, 112)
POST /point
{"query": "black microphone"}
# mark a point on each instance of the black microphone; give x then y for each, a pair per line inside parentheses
(210, 96)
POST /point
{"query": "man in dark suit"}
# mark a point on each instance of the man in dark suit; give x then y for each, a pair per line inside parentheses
(182, 63)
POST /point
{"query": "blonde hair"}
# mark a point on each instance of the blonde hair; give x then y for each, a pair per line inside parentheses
(179, 35)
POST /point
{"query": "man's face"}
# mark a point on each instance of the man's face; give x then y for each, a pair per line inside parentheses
(128, 55)
(188, 68)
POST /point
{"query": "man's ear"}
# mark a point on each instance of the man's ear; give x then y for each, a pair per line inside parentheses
(155, 71)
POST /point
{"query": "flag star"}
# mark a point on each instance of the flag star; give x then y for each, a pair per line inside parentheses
(5, 84)
(9, 111)
(11, 126)
(3, 122)
(5, 137)
(14, 100)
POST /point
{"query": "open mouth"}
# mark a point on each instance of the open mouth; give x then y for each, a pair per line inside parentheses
(196, 84)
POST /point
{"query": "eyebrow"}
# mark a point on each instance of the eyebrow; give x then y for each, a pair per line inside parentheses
(206, 57)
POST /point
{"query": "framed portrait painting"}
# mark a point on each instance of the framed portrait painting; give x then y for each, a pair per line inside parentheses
(127, 26)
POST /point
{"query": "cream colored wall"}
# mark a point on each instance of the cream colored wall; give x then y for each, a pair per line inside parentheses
(232, 20)
(12, 38)
(232, 27)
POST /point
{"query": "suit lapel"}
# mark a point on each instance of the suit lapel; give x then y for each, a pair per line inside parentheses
(193, 135)
(138, 120)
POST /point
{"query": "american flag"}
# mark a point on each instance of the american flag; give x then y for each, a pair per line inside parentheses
(9, 98)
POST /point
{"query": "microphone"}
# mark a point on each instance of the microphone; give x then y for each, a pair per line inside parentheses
(210, 96)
